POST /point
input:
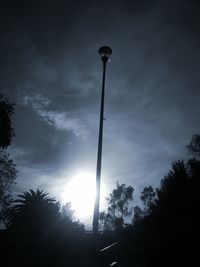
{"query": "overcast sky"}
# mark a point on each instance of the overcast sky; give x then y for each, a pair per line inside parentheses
(49, 66)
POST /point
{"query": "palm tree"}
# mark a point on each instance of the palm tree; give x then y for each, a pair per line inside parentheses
(35, 213)
(33, 200)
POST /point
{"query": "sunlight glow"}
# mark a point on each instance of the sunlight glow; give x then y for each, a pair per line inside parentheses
(80, 191)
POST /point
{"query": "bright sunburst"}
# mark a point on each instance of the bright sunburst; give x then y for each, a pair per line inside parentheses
(80, 191)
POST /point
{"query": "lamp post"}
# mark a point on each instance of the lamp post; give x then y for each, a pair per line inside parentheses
(104, 52)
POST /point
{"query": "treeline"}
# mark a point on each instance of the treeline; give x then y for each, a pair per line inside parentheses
(162, 232)
(165, 230)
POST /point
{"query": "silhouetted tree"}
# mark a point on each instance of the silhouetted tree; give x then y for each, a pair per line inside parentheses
(138, 214)
(8, 171)
(6, 131)
(68, 221)
(8, 176)
(32, 200)
(107, 221)
(67, 212)
(194, 146)
(166, 234)
(36, 214)
(39, 215)
(148, 197)
(176, 213)
(118, 207)
(49, 237)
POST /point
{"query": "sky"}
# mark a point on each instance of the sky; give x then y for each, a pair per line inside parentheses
(51, 69)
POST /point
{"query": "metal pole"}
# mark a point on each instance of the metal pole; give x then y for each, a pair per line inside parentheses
(99, 153)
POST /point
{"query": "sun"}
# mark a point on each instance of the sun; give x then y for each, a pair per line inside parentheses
(80, 191)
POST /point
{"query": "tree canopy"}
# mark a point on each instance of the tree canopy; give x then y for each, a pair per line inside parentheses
(6, 130)
(194, 146)
(8, 174)
(165, 231)
(118, 207)
(35, 214)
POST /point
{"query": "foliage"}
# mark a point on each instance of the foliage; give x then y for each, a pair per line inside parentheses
(118, 207)
(8, 175)
(41, 229)
(138, 214)
(107, 221)
(165, 232)
(120, 199)
(194, 146)
(67, 216)
(67, 212)
(148, 197)
(6, 131)
(31, 200)
(35, 214)
(8, 171)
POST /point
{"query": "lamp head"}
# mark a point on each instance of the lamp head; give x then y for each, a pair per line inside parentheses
(105, 53)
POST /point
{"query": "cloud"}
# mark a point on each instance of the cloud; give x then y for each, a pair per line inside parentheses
(38, 102)
(60, 120)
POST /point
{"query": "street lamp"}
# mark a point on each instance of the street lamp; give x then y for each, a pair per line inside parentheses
(104, 52)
